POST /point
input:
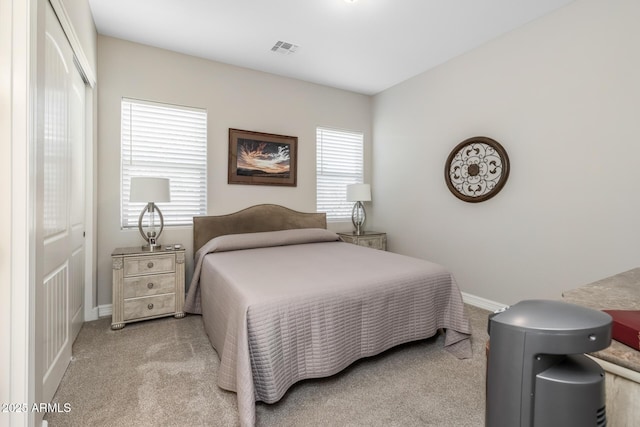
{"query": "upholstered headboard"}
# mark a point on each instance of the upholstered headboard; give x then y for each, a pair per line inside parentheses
(254, 219)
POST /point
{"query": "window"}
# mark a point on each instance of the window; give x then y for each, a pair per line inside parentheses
(165, 141)
(339, 162)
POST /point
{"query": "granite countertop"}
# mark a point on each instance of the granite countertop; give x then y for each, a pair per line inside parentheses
(619, 292)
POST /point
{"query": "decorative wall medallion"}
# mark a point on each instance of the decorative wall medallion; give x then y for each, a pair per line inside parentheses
(477, 169)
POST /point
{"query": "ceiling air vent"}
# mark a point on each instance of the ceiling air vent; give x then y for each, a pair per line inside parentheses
(284, 48)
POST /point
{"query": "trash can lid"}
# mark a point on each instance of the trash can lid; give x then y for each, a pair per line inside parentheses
(552, 315)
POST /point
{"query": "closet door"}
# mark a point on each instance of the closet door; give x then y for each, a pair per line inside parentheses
(61, 212)
(77, 201)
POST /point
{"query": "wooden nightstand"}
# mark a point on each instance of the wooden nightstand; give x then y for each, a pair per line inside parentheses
(147, 284)
(369, 239)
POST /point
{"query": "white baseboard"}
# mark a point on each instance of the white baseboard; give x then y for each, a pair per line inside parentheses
(481, 302)
(91, 314)
(104, 310)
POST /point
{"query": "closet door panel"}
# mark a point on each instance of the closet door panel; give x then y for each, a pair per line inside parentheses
(60, 219)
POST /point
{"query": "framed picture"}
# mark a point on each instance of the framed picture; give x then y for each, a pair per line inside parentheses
(262, 158)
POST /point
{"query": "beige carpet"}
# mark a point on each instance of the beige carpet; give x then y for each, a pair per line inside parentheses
(162, 373)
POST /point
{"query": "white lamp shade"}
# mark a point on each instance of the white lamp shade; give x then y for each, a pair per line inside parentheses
(358, 193)
(144, 189)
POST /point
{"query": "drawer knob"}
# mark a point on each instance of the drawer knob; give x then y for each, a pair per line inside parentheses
(150, 306)
(150, 265)
(150, 285)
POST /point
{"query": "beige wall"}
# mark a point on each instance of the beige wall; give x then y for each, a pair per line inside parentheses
(234, 98)
(561, 95)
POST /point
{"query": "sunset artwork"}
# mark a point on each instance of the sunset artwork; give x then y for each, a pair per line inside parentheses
(259, 158)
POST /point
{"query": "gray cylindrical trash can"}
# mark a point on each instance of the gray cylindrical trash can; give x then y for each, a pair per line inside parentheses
(537, 374)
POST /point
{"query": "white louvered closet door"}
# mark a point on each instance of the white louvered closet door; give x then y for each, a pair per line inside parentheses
(60, 218)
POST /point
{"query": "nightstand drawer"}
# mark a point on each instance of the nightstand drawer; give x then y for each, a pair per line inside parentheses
(147, 265)
(371, 243)
(137, 308)
(368, 239)
(142, 286)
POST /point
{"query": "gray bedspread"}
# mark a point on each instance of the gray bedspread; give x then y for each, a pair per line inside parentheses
(297, 310)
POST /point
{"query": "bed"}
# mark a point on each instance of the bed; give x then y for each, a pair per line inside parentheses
(283, 299)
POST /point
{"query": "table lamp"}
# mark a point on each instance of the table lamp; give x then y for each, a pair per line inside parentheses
(150, 190)
(358, 193)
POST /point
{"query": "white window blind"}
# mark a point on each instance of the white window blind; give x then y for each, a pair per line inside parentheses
(339, 162)
(166, 141)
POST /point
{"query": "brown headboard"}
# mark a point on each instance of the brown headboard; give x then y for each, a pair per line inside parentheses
(254, 219)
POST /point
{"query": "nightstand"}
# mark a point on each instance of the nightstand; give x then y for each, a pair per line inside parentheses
(147, 284)
(369, 239)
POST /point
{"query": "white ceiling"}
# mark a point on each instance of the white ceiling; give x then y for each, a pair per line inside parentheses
(365, 47)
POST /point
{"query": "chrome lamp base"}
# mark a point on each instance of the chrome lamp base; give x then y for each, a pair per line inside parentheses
(358, 218)
(151, 236)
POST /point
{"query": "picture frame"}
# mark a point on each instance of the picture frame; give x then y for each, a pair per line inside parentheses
(257, 158)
